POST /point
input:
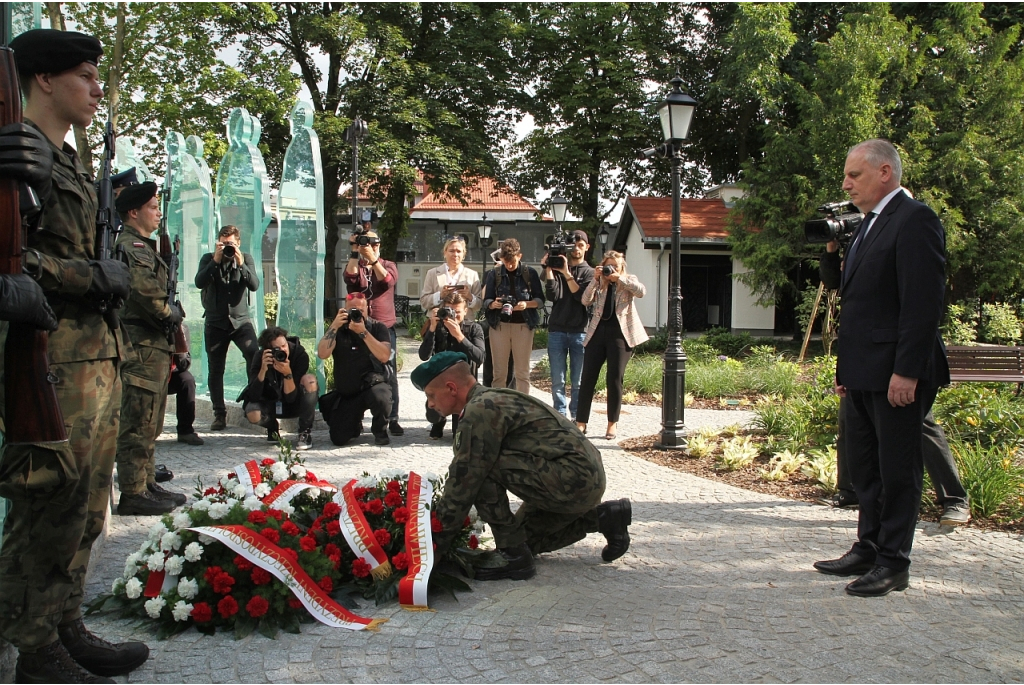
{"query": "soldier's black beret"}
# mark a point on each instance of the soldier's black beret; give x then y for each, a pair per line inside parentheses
(133, 197)
(49, 51)
(124, 179)
(434, 367)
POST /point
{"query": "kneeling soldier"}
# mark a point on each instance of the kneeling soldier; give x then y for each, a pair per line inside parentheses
(510, 442)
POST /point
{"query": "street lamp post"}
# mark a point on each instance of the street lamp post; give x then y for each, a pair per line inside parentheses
(354, 134)
(676, 113)
(483, 231)
(602, 238)
(558, 205)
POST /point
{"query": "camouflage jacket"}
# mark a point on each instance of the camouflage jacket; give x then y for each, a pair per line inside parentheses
(145, 312)
(65, 242)
(500, 426)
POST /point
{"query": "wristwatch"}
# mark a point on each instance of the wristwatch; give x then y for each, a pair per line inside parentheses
(362, 336)
(288, 377)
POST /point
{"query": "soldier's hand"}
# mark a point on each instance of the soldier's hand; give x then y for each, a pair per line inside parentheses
(110, 277)
(25, 155)
(176, 315)
(23, 301)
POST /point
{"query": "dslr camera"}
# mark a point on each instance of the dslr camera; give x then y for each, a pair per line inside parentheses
(279, 354)
(507, 302)
(355, 315)
(557, 250)
(445, 313)
(607, 270)
(840, 223)
(229, 251)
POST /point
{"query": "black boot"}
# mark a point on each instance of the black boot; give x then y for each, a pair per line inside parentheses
(160, 493)
(98, 655)
(220, 422)
(613, 522)
(274, 432)
(143, 504)
(52, 664)
(519, 567)
(437, 429)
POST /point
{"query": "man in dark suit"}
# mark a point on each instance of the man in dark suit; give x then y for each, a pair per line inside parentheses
(891, 363)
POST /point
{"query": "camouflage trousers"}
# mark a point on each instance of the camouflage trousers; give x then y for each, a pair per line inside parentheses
(58, 506)
(548, 519)
(145, 377)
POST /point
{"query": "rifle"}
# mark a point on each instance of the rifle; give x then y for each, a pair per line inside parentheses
(106, 233)
(171, 257)
(32, 412)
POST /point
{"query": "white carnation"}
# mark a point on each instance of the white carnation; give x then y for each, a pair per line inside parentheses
(155, 561)
(286, 508)
(431, 476)
(130, 570)
(228, 483)
(157, 530)
(193, 551)
(173, 565)
(117, 586)
(279, 472)
(392, 474)
(146, 548)
(230, 503)
(252, 504)
(262, 490)
(182, 520)
(313, 492)
(170, 541)
(155, 606)
(202, 505)
(366, 482)
(219, 510)
(181, 611)
(188, 588)
(239, 491)
(133, 588)
(134, 558)
(206, 539)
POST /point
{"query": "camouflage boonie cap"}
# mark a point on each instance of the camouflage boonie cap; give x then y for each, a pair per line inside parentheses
(434, 367)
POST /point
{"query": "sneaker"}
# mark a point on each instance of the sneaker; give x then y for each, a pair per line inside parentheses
(143, 504)
(519, 567)
(220, 422)
(395, 429)
(191, 439)
(164, 494)
(99, 656)
(305, 440)
(613, 522)
(437, 431)
(381, 438)
(53, 664)
(958, 514)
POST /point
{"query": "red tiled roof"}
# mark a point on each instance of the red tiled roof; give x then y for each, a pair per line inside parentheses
(483, 195)
(698, 218)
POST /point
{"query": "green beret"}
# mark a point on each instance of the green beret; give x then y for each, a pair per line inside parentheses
(49, 51)
(434, 367)
(123, 179)
(133, 197)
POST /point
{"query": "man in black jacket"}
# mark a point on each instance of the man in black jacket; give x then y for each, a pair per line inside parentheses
(564, 283)
(226, 276)
(891, 363)
(281, 387)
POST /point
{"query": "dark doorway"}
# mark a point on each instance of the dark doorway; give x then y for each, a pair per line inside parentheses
(706, 282)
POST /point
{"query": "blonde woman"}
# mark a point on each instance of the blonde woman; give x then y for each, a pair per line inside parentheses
(452, 277)
(614, 330)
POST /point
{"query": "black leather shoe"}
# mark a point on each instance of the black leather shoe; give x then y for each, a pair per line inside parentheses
(613, 522)
(850, 564)
(841, 500)
(878, 582)
(437, 430)
(395, 428)
(381, 439)
(191, 439)
(519, 567)
(99, 656)
(220, 422)
(162, 473)
(143, 504)
(53, 664)
(163, 494)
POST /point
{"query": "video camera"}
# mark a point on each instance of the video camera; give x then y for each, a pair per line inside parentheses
(559, 247)
(362, 240)
(840, 223)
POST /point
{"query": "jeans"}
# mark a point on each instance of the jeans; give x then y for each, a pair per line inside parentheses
(559, 345)
(302, 407)
(394, 374)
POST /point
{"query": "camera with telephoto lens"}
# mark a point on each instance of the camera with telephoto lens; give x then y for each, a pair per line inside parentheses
(607, 270)
(445, 313)
(840, 223)
(557, 250)
(507, 302)
(355, 315)
(229, 251)
(279, 355)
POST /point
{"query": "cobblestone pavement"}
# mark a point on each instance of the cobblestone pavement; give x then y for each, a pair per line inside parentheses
(717, 586)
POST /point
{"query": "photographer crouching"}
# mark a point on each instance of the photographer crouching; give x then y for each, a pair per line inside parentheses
(449, 331)
(361, 349)
(273, 392)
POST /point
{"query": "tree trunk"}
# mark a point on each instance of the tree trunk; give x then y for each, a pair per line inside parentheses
(116, 64)
(332, 182)
(81, 137)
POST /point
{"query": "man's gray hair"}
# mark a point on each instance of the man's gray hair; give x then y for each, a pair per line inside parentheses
(879, 151)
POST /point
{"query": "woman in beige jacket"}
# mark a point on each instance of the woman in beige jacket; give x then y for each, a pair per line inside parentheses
(614, 330)
(452, 276)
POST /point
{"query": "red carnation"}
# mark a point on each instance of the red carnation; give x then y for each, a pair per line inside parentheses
(209, 491)
(331, 509)
(226, 607)
(291, 554)
(401, 514)
(330, 549)
(232, 474)
(212, 573)
(335, 560)
(294, 602)
(360, 493)
(326, 584)
(202, 612)
(435, 523)
(363, 506)
(360, 569)
(268, 462)
(271, 534)
(307, 543)
(383, 537)
(334, 528)
(393, 499)
(400, 561)
(473, 542)
(241, 563)
(289, 528)
(276, 513)
(257, 606)
(222, 584)
(257, 517)
(260, 577)
(311, 477)
(394, 485)
(375, 506)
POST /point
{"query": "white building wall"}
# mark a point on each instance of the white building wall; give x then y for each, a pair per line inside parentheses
(747, 314)
(642, 264)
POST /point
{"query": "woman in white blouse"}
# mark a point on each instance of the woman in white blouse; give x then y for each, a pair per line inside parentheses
(452, 276)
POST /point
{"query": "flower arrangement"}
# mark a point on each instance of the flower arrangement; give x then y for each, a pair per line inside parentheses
(265, 550)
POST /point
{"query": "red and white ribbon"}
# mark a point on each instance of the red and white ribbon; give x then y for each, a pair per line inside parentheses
(271, 558)
(419, 545)
(287, 490)
(359, 534)
(249, 476)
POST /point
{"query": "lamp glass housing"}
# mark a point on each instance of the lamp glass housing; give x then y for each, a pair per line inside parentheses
(676, 114)
(558, 205)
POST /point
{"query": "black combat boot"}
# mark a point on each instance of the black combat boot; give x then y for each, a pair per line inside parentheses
(143, 504)
(99, 656)
(519, 567)
(161, 493)
(220, 422)
(613, 522)
(52, 664)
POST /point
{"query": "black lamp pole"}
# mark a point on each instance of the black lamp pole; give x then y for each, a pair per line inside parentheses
(354, 134)
(484, 233)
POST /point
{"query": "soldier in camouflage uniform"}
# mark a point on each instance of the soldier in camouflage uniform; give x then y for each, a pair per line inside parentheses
(510, 442)
(148, 318)
(49, 531)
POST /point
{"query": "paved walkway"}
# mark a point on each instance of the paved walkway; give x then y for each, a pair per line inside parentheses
(717, 586)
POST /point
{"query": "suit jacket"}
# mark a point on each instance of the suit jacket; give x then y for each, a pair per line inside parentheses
(437, 277)
(626, 290)
(892, 301)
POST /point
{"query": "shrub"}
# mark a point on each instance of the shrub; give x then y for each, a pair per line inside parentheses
(770, 416)
(716, 379)
(699, 352)
(961, 327)
(821, 467)
(643, 374)
(989, 475)
(989, 415)
(763, 356)
(778, 378)
(699, 446)
(737, 452)
(999, 324)
(540, 338)
(656, 344)
(730, 344)
(543, 365)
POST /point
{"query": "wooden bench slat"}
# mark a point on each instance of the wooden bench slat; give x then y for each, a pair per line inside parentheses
(984, 363)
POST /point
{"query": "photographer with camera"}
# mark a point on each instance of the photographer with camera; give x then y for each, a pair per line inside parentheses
(361, 349)
(448, 330)
(566, 277)
(225, 277)
(273, 392)
(376, 279)
(452, 276)
(512, 296)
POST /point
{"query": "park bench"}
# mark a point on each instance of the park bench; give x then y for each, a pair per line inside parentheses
(986, 363)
